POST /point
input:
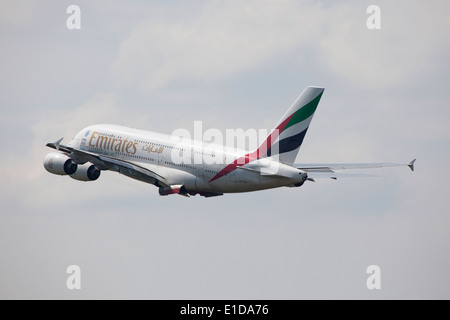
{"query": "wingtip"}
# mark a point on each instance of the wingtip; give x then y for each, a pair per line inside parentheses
(55, 145)
(411, 164)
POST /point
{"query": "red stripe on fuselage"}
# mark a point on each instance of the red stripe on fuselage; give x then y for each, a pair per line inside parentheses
(260, 152)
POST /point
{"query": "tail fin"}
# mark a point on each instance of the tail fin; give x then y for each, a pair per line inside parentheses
(288, 134)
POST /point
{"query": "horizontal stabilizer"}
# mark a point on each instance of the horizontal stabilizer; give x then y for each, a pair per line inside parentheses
(332, 167)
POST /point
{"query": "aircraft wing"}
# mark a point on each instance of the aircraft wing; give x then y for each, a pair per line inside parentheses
(332, 167)
(103, 162)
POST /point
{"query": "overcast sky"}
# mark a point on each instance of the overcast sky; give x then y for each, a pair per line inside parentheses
(161, 65)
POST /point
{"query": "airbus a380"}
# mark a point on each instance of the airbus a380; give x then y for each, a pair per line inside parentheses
(155, 158)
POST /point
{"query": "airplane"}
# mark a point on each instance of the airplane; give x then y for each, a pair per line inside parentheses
(155, 158)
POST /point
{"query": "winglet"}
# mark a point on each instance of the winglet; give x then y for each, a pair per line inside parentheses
(55, 144)
(411, 164)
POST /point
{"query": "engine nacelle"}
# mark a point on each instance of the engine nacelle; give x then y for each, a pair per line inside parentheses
(58, 163)
(86, 172)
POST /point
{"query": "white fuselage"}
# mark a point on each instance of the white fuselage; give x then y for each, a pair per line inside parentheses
(197, 167)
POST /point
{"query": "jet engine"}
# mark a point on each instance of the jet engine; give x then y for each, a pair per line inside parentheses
(58, 163)
(86, 172)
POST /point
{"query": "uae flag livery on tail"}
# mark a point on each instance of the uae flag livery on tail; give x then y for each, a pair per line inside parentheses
(285, 139)
(288, 134)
